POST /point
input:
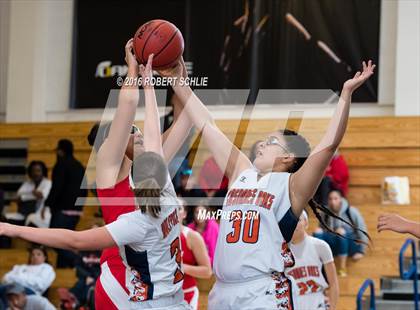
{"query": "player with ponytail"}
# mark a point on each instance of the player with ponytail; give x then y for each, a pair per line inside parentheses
(266, 199)
(148, 238)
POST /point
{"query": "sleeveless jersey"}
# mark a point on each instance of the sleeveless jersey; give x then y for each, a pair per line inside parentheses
(310, 256)
(252, 241)
(151, 250)
(114, 202)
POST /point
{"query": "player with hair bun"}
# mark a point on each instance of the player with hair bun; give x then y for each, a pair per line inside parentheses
(252, 255)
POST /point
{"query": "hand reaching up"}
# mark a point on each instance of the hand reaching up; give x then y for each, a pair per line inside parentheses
(179, 71)
(130, 58)
(360, 77)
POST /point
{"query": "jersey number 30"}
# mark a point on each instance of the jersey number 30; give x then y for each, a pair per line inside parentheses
(249, 223)
(176, 251)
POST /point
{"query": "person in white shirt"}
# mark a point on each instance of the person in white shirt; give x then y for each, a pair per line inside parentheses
(264, 201)
(32, 193)
(36, 276)
(18, 300)
(314, 270)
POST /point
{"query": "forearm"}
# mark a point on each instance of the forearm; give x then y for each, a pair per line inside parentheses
(56, 238)
(152, 135)
(201, 272)
(337, 126)
(119, 132)
(413, 228)
(228, 157)
(175, 136)
(197, 111)
(333, 291)
(129, 91)
(333, 296)
(306, 180)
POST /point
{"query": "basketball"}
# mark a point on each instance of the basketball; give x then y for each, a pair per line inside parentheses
(161, 38)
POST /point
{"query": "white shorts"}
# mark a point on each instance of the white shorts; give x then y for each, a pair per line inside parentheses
(314, 301)
(264, 293)
(181, 306)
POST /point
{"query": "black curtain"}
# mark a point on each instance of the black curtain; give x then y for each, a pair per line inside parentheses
(261, 50)
(285, 59)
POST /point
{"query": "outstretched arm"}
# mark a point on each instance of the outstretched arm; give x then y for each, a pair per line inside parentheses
(112, 151)
(305, 181)
(92, 239)
(152, 137)
(226, 154)
(396, 223)
(175, 136)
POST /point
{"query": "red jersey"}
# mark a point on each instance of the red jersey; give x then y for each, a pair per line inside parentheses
(187, 258)
(114, 202)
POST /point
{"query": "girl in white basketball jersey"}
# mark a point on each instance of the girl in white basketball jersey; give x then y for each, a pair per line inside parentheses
(265, 199)
(148, 238)
(313, 257)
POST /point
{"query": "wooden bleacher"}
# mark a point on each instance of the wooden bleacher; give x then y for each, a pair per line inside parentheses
(372, 147)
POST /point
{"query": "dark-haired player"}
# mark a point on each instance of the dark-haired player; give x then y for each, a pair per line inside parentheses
(267, 198)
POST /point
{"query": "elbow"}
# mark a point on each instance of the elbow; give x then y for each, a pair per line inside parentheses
(208, 273)
(333, 147)
(76, 243)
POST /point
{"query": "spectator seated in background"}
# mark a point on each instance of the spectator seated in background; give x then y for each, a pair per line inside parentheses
(32, 193)
(88, 269)
(208, 229)
(36, 276)
(18, 299)
(336, 177)
(344, 247)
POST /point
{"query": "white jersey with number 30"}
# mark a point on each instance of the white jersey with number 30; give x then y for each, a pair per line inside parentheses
(253, 242)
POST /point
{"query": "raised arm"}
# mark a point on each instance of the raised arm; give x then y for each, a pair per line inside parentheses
(305, 181)
(152, 137)
(226, 154)
(175, 136)
(92, 239)
(112, 151)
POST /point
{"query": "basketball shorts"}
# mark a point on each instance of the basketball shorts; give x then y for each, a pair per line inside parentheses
(315, 301)
(268, 292)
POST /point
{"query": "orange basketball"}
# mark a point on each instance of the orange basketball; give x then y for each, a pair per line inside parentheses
(161, 38)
